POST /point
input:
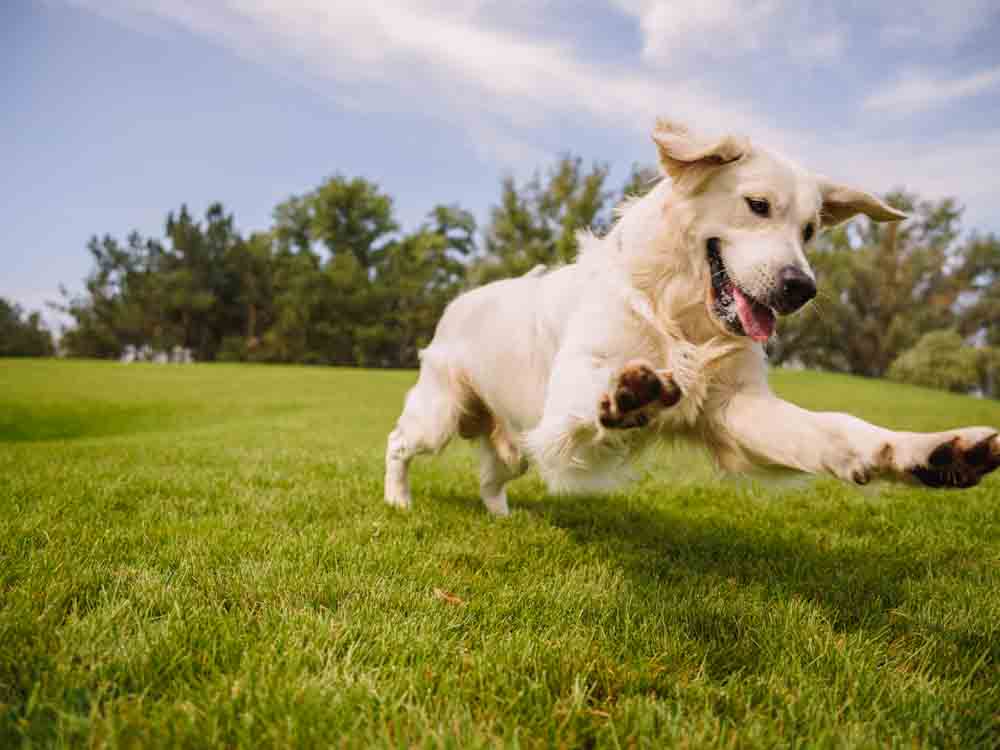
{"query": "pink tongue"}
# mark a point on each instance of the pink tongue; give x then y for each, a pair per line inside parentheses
(757, 319)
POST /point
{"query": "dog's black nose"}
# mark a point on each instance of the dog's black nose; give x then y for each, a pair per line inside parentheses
(795, 288)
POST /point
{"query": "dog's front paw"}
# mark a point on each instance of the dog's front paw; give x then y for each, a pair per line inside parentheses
(961, 461)
(638, 392)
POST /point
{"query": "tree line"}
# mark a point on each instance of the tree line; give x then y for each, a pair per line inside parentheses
(23, 334)
(917, 301)
(335, 280)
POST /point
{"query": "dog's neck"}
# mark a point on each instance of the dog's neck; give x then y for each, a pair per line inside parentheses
(653, 243)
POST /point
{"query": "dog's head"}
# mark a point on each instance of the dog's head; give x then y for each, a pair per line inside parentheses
(749, 216)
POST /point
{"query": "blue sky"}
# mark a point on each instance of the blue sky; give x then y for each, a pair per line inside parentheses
(120, 110)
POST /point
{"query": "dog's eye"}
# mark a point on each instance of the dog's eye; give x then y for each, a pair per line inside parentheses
(759, 206)
(808, 232)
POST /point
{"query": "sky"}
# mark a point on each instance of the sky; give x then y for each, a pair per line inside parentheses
(118, 111)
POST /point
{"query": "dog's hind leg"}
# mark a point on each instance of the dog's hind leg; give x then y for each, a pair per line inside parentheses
(495, 472)
(429, 420)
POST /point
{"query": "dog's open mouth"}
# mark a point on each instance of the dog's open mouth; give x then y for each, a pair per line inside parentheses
(738, 311)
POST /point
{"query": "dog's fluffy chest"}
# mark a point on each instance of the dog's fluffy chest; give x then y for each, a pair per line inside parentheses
(696, 368)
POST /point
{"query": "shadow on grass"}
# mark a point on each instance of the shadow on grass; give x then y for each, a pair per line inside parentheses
(669, 544)
(46, 422)
(858, 585)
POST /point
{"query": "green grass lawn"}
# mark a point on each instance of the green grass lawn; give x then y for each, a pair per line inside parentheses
(200, 555)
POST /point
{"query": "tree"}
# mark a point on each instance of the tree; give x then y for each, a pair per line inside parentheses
(118, 305)
(249, 293)
(537, 223)
(157, 293)
(989, 371)
(194, 278)
(342, 215)
(979, 276)
(940, 359)
(322, 305)
(641, 180)
(23, 335)
(312, 309)
(417, 277)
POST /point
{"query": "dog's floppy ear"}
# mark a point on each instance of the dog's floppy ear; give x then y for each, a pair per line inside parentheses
(680, 150)
(841, 202)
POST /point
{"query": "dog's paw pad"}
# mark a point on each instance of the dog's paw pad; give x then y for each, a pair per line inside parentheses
(944, 455)
(606, 412)
(637, 388)
(638, 385)
(956, 463)
(985, 454)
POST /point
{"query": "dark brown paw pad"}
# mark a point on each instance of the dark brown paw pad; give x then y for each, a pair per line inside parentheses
(639, 386)
(957, 464)
(861, 477)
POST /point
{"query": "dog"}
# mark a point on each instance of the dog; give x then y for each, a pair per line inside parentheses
(657, 330)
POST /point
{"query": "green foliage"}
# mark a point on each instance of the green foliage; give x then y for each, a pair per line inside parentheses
(940, 359)
(989, 371)
(343, 215)
(332, 282)
(187, 565)
(640, 181)
(23, 336)
(881, 288)
(418, 276)
(979, 274)
(162, 294)
(335, 280)
(537, 223)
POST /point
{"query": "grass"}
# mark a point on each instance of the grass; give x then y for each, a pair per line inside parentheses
(199, 556)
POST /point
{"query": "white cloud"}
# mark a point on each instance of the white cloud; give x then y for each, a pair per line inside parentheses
(707, 30)
(504, 86)
(807, 31)
(429, 54)
(918, 91)
(502, 146)
(960, 165)
(822, 46)
(934, 22)
(720, 27)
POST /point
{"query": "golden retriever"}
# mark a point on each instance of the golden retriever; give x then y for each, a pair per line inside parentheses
(657, 330)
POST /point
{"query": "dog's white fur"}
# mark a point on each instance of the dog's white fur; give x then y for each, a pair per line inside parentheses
(523, 364)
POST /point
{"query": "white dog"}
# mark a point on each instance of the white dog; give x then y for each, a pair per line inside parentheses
(658, 330)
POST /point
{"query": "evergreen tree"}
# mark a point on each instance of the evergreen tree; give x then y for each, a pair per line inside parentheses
(537, 223)
(23, 335)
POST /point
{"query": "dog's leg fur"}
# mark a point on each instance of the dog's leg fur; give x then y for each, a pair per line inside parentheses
(577, 384)
(429, 420)
(583, 440)
(494, 473)
(757, 428)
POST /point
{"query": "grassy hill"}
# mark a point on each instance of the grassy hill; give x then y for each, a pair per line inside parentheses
(200, 555)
